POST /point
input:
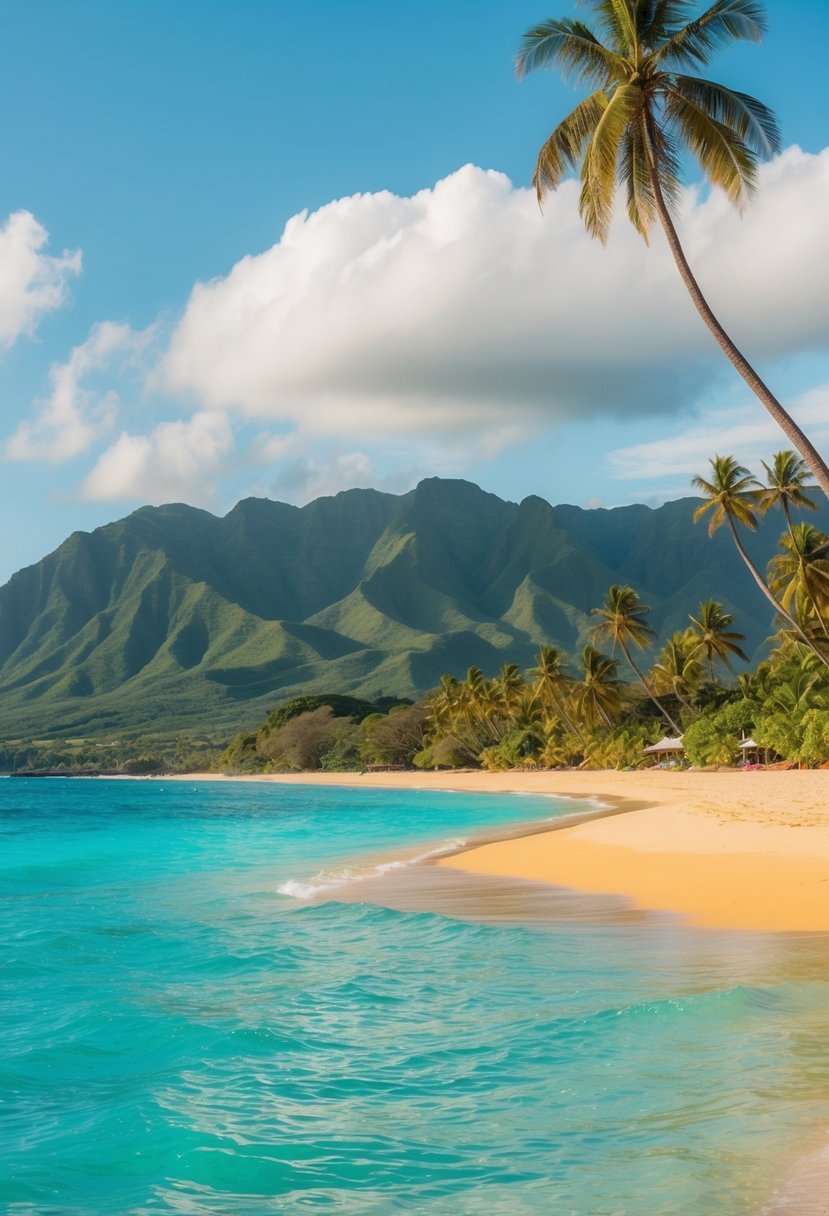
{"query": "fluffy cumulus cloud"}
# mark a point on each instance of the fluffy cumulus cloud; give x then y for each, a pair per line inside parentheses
(31, 282)
(73, 417)
(177, 460)
(463, 310)
(384, 337)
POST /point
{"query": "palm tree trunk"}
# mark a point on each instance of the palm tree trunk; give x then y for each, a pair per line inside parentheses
(768, 593)
(814, 603)
(547, 686)
(820, 470)
(677, 729)
(565, 717)
(682, 701)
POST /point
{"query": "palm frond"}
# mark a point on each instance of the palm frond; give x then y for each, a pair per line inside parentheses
(718, 517)
(699, 483)
(618, 18)
(598, 173)
(787, 484)
(750, 120)
(745, 515)
(723, 157)
(659, 20)
(563, 149)
(645, 139)
(668, 164)
(573, 48)
(724, 22)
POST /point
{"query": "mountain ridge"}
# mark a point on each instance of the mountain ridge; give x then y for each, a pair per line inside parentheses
(173, 618)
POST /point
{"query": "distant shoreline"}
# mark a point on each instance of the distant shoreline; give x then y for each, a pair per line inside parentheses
(724, 850)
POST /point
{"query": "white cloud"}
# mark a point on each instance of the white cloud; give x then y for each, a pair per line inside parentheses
(462, 309)
(72, 418)
(746, 432)
(177, 460)
(31, 282)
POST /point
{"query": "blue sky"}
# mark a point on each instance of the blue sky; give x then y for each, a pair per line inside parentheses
(436, 323)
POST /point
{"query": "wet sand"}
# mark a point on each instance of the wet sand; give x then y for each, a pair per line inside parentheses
(728, 850)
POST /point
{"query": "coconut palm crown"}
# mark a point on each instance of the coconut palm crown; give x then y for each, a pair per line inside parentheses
(645, 108)
(787, 486)
(799, 575)
(714, 637)
(732, 492)
(645, 111)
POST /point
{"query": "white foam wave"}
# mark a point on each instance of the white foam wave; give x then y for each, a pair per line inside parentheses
(329, 880)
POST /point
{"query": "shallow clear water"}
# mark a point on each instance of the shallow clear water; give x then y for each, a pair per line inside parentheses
(179, 1037)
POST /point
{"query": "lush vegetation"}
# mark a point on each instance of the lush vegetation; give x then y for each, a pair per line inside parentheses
(558, 714)
(133, 755)
(330, 732)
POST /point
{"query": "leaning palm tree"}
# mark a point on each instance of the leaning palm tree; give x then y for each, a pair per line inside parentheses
(732, 497)
(645, 111)
(623, 624)
(504, 695)
(787, 486)
(712, 636)
(600, 694)
(469, 719)
(677, 670)
(551, 685)
(799, 575)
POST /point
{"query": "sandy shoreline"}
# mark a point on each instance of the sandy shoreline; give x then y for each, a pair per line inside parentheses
(730, 850)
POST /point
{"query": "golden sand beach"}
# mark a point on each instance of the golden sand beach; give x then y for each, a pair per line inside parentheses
(730, 850)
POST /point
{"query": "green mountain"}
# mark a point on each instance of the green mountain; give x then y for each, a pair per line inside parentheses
(173, 619)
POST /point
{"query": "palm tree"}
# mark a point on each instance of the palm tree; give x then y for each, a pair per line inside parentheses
(786, 486)
(552, 683)
(643, 114)
(623, 624)
(800, 574)
(733, 495)
(678, 671)
(600, 693)
(509, 685)
(712, 635)
(501, 700)
(459, 710)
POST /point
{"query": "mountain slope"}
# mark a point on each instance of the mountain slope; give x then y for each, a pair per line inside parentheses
(173, 618)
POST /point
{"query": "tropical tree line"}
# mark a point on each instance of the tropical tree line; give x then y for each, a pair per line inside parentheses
(133, 755)
(557, 715)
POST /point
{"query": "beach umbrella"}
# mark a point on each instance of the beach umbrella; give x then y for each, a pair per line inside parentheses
(665, 745)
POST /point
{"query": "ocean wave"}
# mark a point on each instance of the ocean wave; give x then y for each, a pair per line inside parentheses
(329, 880)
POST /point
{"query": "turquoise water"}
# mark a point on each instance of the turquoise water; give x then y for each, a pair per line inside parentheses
(177, 1036)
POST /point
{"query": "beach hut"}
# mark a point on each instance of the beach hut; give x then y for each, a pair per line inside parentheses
(751, 753)
(665, 749)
